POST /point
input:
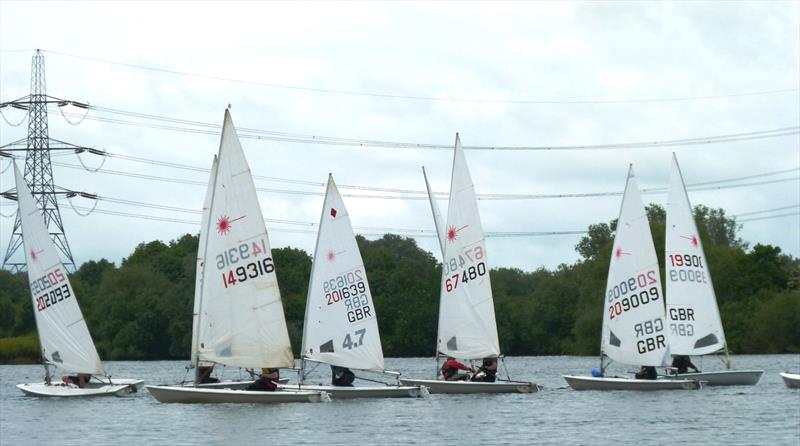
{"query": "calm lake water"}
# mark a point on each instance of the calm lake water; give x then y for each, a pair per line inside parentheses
(768, 413)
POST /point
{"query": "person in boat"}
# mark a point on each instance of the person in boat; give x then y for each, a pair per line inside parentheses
(487, 372)
(204, 375)
(79, 380)
(266, 382)
(342, 376)
(683, 363)
(450, 370)
(646, 372)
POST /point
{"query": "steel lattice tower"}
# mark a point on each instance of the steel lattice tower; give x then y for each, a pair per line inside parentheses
(38, 170)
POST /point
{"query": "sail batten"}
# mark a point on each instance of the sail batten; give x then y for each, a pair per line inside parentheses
(692, 313)
(240, 315)
(341, 326)
(467, 326)
(63, 335)
(634, 328)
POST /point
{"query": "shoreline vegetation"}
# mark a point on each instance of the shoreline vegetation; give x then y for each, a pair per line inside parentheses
(142, 309)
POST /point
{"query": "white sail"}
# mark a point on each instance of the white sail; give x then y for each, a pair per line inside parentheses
(340, 327)
(467, 326)
(200, 268)
(63, 335)
(634, 329)
(241, 321)
(695, 327)
(437, 215)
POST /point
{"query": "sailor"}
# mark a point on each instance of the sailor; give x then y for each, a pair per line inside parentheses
(342, 376)
(450, 370)
(266, 382)
(487, 373)
(646, 372)
(683, 364)
(79, 380)
(204, 375)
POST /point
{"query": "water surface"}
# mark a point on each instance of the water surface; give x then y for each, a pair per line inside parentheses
(768, 413)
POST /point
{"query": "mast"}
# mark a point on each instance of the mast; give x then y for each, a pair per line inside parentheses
(203, 230)
(619, 216)
(437, 216)
(310, 284)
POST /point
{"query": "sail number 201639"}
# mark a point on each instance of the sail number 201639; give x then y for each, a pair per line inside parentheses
(351, 289)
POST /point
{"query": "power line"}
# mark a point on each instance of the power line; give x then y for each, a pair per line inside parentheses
(269, 135)
(423, 97)
(419, 195)
(767, 210)
(769, 217)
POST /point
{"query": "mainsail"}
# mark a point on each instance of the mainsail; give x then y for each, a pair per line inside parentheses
(695, 327)
(437, 215)
(467, 326)
(634, 331)
(63, 335)
(341, 327)
(241, 321)
(200, 267)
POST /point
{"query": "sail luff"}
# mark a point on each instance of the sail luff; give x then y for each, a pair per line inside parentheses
(437, 215)
(692, 310)
(64, 338)
(202, 249)
(304, 345)
(341, 325)
(467, 326)
(634, 328)
(242, 320)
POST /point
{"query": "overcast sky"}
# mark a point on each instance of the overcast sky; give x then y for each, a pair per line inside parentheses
(592, 73)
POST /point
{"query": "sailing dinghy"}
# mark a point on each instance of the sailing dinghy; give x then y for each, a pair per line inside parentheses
(791, 380)
(634, 329)
(341, 325)
(238, 319)
(467, 326)
(64, 338)
(695, 326)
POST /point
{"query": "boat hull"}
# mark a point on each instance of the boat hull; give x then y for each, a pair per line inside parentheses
(791, 380)
(233, 385)
(196, 395)
(344, 393)
(722, 377)
(117, 387)
(438, 386)
(592, 383)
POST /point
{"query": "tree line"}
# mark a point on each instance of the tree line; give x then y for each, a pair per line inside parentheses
(142, 309)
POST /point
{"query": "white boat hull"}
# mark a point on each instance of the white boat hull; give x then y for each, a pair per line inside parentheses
(185, 394)
(592, 383)
(344, 393)
(233, 385)
(439, 386)
(791, 380)
(117, 387)
(722, 377)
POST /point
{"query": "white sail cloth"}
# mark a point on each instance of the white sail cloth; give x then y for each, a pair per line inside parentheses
(341, 327)
(437, 215)
(63, 334)
(634, 330)
(695, 326)
(467, 326)
(241, 321)
(200, 267)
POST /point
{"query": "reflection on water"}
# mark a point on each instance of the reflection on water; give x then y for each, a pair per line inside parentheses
(768, 413)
